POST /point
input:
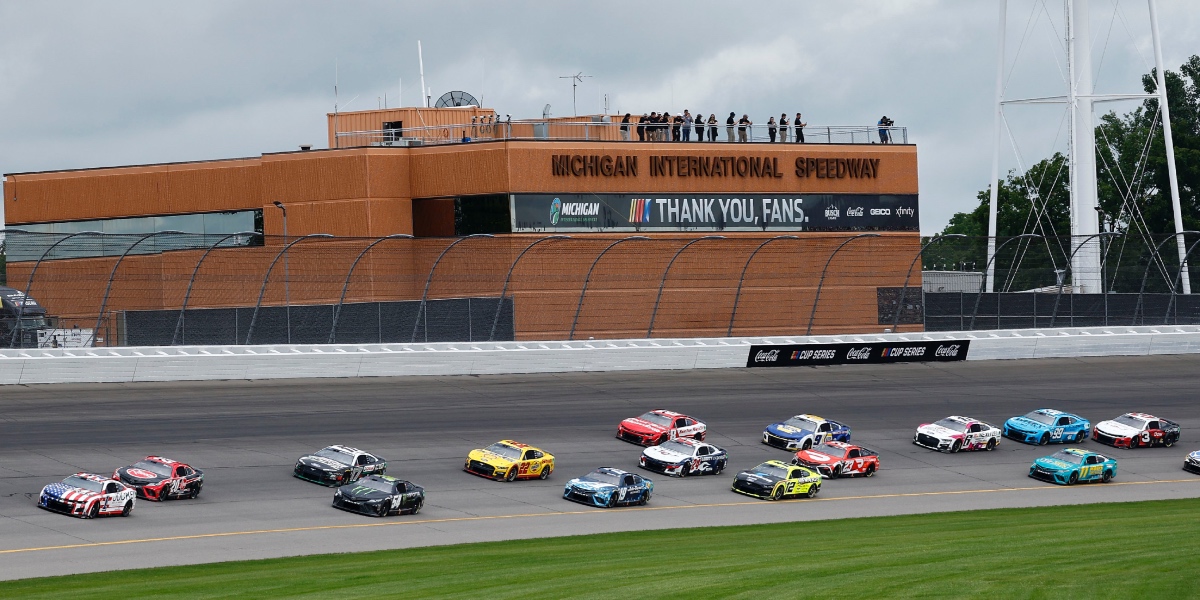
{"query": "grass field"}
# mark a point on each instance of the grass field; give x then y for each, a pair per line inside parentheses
(1131, 550)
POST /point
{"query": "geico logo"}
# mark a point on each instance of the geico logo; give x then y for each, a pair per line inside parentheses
(858, 353)
(875, 212)
(905, 212)
(856, 211)
(947, 350)
(766, 356)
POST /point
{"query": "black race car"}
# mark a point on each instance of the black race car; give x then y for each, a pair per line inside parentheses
(380, 496)
(338, 465)
(158, 478)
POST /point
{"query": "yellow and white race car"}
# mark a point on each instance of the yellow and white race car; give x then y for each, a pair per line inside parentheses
(507, 460)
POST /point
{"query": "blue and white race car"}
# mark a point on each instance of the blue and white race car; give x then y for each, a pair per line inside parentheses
(608, 487)
(1072, 465)
(1046, 425)
(802, 432)
(1191, 463)
(683, 457)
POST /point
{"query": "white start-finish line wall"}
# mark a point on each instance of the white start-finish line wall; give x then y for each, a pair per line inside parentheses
(193, 363)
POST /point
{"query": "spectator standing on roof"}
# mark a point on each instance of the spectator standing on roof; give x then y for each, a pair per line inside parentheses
(641, 127)
(884, 124)
(742, 124)
(799, 125)
(712, 127)
(687, 126)
(625, 128)
(771, 128)
(652, 127)
(783, 126)
(729, 123)
(676, 121)
(699, 127)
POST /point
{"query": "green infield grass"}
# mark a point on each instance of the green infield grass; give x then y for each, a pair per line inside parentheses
(1128, 550)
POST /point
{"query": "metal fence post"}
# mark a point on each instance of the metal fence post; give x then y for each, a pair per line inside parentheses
(663, 282)
(511, 268)
(900, 303)
(179, 325)
(29, 285)
(263, 290)
(588, 279)
(1178, 277)
(111, 276)
(337, 311)
(429, 280)
(821, 283)
(738, 294)
(983, 284)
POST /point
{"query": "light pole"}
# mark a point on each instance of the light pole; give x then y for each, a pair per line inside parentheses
(287, 296)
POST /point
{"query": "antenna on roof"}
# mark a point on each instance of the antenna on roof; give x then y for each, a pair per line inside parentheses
(576, 79)
(546, 112)
(421, 63)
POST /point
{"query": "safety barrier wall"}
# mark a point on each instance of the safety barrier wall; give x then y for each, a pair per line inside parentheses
(188, 363)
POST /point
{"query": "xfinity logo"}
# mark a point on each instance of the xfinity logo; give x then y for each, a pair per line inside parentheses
(947, 351)
(766, 356)
(881, 212)
(863, 353)
(832, 213)
(856, 211)
(905, 212)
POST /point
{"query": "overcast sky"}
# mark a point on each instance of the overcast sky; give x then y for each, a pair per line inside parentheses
(86, 84)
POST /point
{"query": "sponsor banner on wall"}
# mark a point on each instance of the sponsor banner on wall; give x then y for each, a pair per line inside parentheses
(713, 212)
(794, 355)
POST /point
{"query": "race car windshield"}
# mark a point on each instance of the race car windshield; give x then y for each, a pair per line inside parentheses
(772, 470)
(656, 418)
(1133, 422)
(153, 467)
(86, 484)
(830, 450)
(1070, 457)
(341, 457)
(674, 446)
(1042, 418)
(601, 477)
(801, 424)
(376, 485)
(506, 451)
(955, 425)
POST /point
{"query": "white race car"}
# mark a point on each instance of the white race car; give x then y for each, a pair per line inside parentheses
(683, 457)
(88, 496)
(957, 433)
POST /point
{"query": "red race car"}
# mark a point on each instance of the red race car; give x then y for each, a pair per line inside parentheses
(158, 478)
(838, 459)
(658, 426)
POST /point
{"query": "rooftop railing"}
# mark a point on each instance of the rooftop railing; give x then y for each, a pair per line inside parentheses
(615, 131)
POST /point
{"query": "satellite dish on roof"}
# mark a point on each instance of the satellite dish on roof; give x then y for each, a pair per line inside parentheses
(546, 112)
(456, 98)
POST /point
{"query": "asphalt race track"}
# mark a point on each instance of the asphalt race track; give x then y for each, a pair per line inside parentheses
(246, 437)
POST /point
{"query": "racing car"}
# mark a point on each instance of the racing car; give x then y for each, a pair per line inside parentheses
(838, 459)
(776, 479)
(507, 460)
(802, 432)
(380, 496)
(1191, 462)
(88, 496)
(957, 433)
(338, 465)
(683, 457)
(1046, 425)
(608, 487)
(658, 426)
(158, 478)
(1133, 430)
(1072, 465)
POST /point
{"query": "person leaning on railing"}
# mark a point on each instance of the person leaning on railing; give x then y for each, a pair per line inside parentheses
(641, 127)
(712, 127)
(699, 127)
(625, 128)
(742, 124)
(729, 123)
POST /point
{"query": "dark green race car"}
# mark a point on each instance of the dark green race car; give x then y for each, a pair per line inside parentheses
(380, 496)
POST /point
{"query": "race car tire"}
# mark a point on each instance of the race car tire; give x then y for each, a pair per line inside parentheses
(511, 475)
(545, 474)
(416, 509)
(1168, 441)
(684, 471)
(699, 436)
(195, 491)
(720, 467)
(93, 512)
(1133, 443)
(383, 510)
(128, 508)
(955, 446)
(991, 445)
(346, 477)
(662, 439)
(837, 472)
(612, 501)
(1073, 479)
(777, 493)
(644, 499)
(1081, 437)
(813, 489)
(1045, 439)
(870, 471)
(807, 444)
(1106, 477)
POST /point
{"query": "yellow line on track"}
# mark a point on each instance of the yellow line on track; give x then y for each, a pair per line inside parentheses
(566, 513)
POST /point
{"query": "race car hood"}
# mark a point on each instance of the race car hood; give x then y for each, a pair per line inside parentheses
(1053, 464)
(1194, 456)
(787, 431)
(1116, 429)
(759, 478)
(667, 456)
(1026, 424)
(490, 458)
(940, 432)
(138, 476)
(320, 462)
(60, 491)
(362, 493)
(815, 457)
(642, 426)
(591, 486)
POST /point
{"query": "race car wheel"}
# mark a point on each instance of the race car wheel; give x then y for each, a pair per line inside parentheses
(684, 471)
(1045, 439)
(1073, 479)
(93, 511)
(1080, 437)
(612, 500)
(545, 474)
(699, 436)
(662, 439)
(720, 467)
(1106, 477)
(127, 509)
(870, 471)
(644, 499)
(383, 509)
(1168, 441)
(416, 509)
(777, 493)
(837, 472)
(807, 444)
(195, 491)
(512, 474)
(955, 446)
(991, 445)
(813, 489)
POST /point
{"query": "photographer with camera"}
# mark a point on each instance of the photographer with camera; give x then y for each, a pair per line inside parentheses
(884, 124)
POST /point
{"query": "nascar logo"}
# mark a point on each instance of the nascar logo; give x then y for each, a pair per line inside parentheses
(639, 210)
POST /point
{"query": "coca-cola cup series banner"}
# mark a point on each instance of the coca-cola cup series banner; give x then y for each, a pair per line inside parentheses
(862, 353)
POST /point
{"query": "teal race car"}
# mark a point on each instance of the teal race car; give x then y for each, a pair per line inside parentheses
(1072, 465)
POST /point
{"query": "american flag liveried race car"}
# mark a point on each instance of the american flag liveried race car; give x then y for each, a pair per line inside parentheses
(838, 459)
(1134, 430)
(683, 457)
(507, 460)
(658, 426)
(88, 496)
(957, 433)
(338, 465)
(608, 487)
(1045, 425)
(802, 432)
(158, 478)
(380, 496)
